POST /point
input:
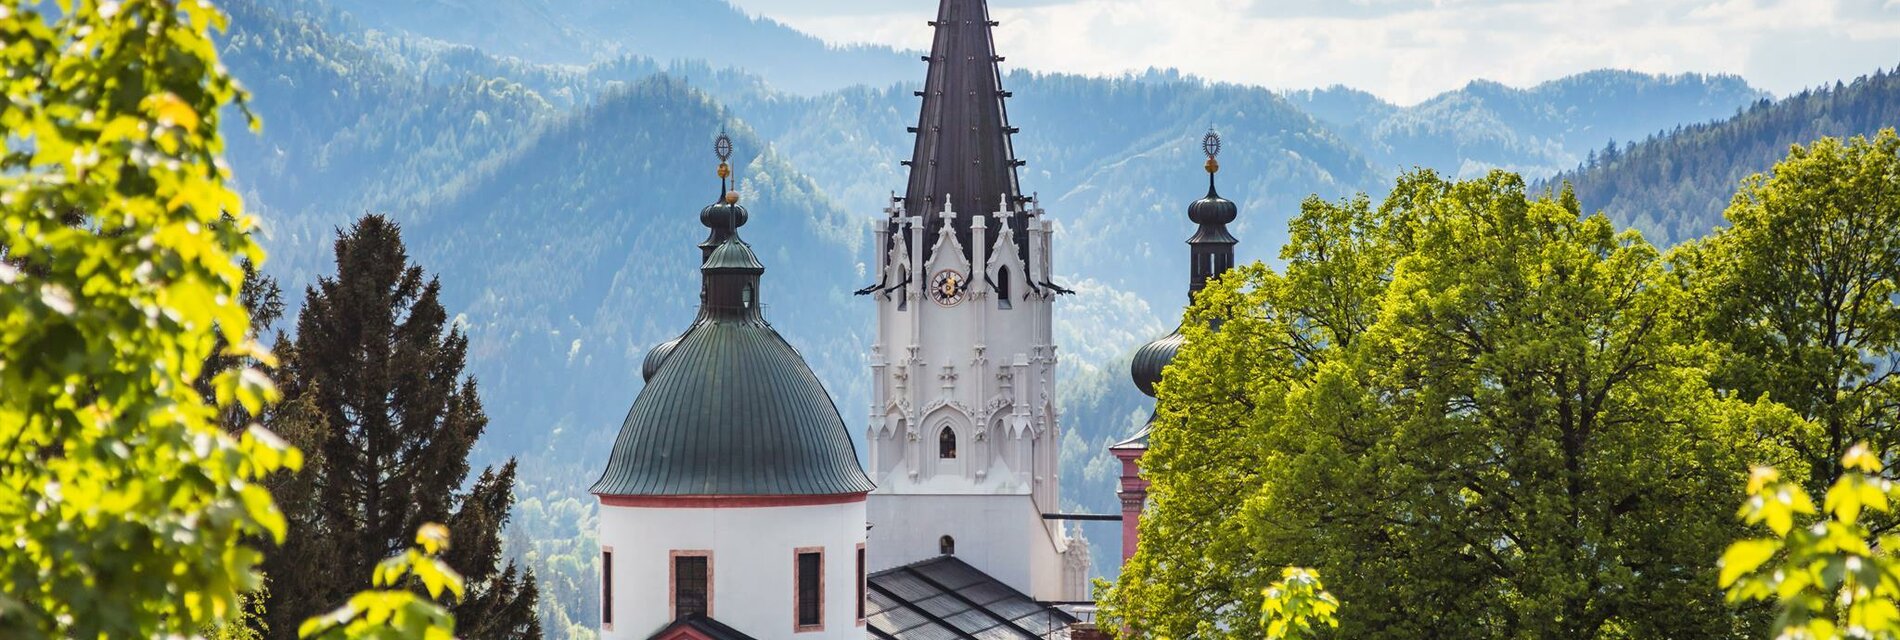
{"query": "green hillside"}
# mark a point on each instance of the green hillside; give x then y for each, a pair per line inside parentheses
(1675, 186)
(582, 32)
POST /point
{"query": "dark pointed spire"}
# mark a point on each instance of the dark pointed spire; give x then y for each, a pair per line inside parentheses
(963, 150)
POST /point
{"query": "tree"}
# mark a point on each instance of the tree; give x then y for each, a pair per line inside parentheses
(1298, 606)
(393, 610)
(1469, 402)
(1800, 289)
(1829, 576)
(128, 512)
(377, 373)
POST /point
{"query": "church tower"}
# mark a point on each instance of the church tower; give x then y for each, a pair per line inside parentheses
(732, 502)
(1210, 253)
(963, 431)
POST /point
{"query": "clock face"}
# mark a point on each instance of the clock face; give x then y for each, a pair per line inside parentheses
(947, 287)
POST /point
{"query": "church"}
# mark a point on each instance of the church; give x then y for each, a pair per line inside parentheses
(733, 504)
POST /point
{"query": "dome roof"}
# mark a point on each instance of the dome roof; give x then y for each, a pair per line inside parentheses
(658, 357)
(1212, 213)
(732, 410)
(1151, 358)
(1213, 209)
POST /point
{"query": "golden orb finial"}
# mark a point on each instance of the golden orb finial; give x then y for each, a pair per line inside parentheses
(722, 147)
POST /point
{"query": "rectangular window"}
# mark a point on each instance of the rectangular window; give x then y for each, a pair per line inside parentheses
(860, 582)
(692, 583)
(607, 587)
(810, 594)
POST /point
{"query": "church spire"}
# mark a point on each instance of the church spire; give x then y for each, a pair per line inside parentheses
(730, 271)
(1212, 247)
(963, 151)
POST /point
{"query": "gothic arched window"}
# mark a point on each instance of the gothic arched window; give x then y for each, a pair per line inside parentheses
(947, 443)
(947, 546)
(1002, 288)
(745, 297)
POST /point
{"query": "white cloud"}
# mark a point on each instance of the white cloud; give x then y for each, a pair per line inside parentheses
(1405, 50)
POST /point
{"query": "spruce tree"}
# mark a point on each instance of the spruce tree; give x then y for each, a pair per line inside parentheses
(374, 376)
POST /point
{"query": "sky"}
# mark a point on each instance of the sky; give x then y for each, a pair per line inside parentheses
(1402, 50)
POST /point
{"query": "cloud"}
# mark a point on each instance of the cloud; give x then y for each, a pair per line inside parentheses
(1404, 50)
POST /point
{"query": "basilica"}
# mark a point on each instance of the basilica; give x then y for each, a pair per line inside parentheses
(734, 505)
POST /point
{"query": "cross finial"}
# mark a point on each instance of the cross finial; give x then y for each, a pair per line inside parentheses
(949, 209)
(1210, 144)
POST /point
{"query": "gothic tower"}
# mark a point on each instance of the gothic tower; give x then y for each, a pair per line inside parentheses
(963, 430)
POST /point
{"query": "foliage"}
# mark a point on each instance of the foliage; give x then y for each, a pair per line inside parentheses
(375, 374)
(394, 611)
(129, 513)
(1827, 574)
(246, 622)
(1466, 401)
(1800, 289)
(1675, 184)
(1297, 606)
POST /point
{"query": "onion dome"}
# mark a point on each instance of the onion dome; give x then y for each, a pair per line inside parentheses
(1151, 358)
(730, 408)
(1211, 253)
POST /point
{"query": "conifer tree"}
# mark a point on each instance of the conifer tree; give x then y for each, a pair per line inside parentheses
(375, 376)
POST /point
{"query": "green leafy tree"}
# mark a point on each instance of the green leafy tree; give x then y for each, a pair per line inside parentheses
(1469, 402)
(1298, 606)
(375, 380)
(1801, 289)
(246, 623)
(1828, 574)
(393, 610)
(127, 511)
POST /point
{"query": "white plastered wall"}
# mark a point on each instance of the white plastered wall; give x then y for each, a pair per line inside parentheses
(753, 551)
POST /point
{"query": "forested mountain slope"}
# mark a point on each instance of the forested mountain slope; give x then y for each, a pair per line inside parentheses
(347, 128)
(1674, 187)
(581, 32)
(1535, 131)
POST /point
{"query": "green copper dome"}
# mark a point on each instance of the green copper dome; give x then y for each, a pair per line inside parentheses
(730, 408)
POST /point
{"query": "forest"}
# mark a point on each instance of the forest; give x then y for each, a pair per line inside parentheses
(551, 187)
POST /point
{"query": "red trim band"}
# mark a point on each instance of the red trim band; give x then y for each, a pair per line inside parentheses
(726, 502)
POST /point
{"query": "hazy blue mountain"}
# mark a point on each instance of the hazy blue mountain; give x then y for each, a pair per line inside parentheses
(580, 32)
(1675, 187)
(1535, 131)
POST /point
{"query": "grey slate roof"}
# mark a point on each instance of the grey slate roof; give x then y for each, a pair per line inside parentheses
(945, 599)
(963, 145)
